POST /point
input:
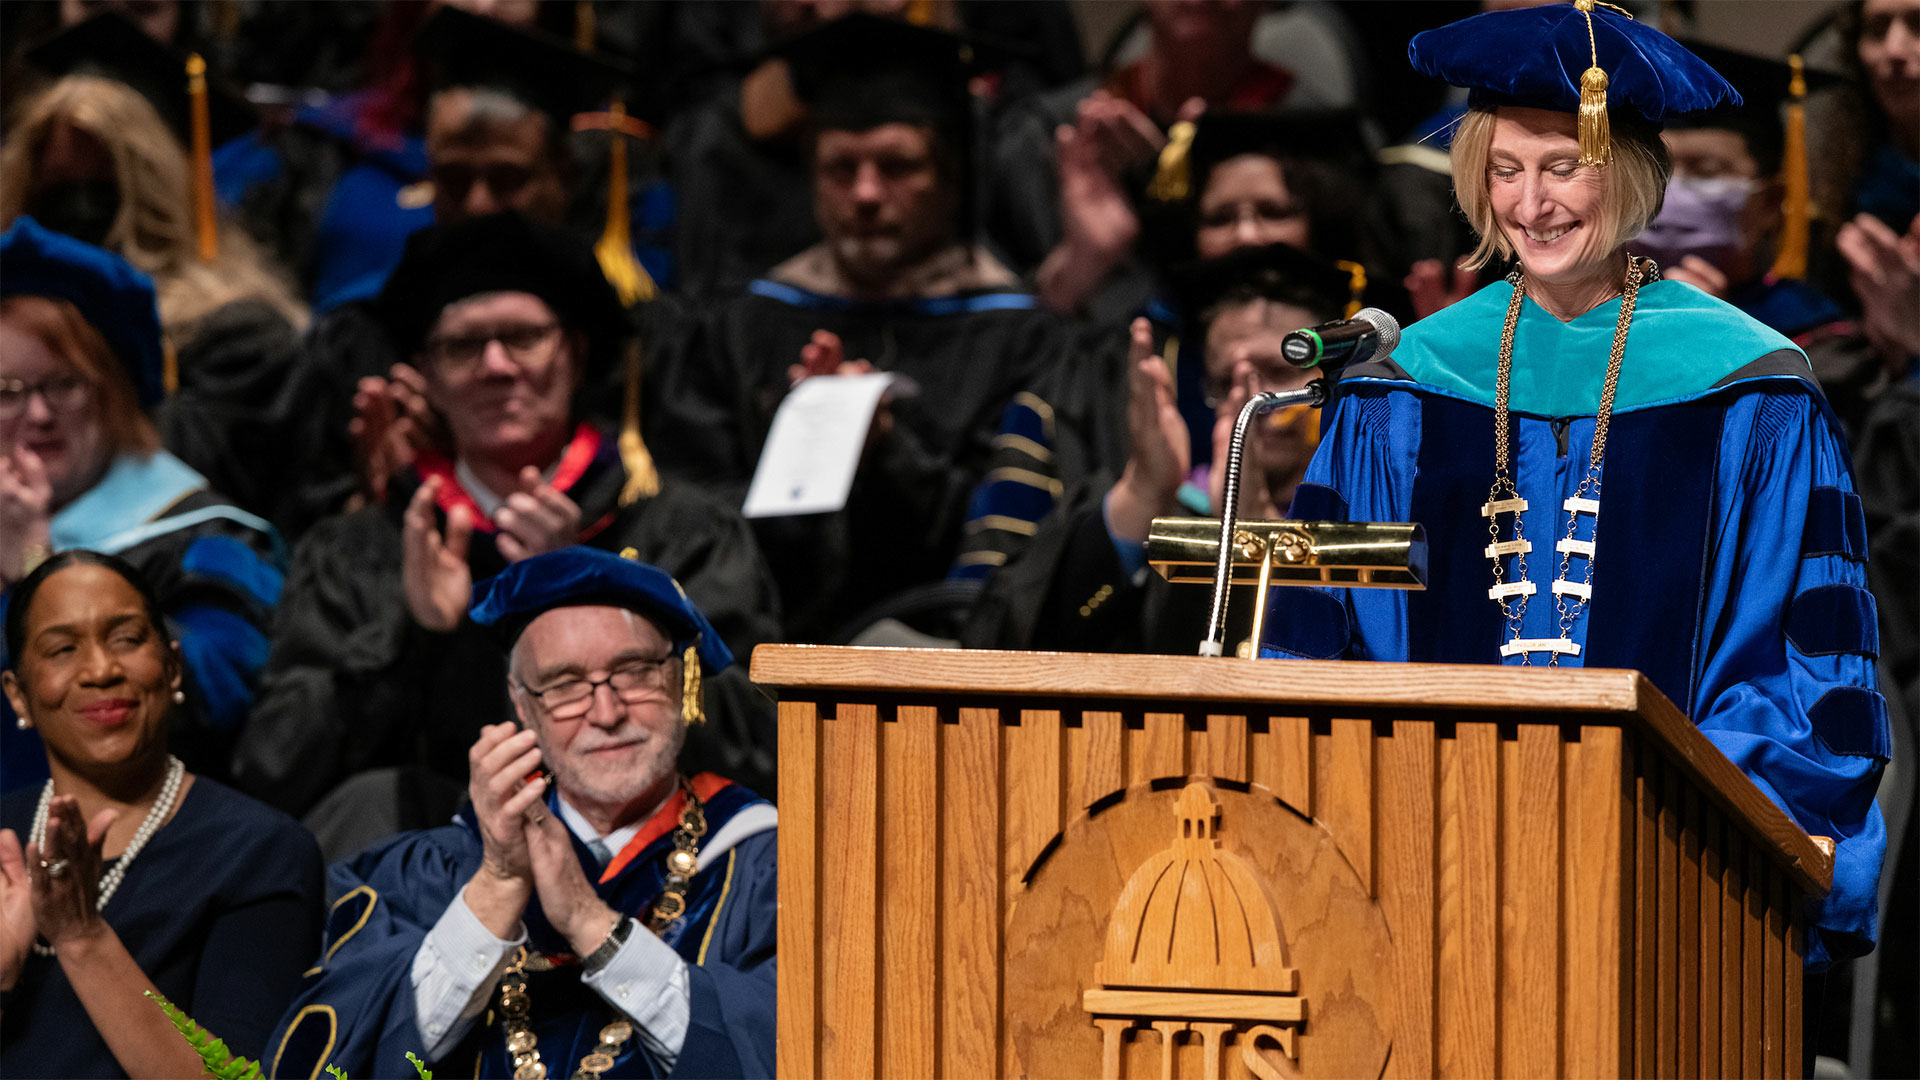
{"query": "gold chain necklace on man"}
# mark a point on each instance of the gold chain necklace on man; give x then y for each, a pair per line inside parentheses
(516, 1007)
(1504, 498)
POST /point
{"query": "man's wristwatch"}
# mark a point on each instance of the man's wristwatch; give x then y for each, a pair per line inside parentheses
(616, 937)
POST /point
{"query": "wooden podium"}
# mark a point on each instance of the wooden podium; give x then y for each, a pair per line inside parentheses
(1033, 864)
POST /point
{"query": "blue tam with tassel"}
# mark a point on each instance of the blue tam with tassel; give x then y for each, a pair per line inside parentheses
(580, 576)
(1584, 58)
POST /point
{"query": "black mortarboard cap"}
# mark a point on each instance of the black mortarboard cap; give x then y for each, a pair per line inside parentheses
(861, 71)
(532, 66)
(505, 252)
(1278, 272)
(1328, 134)
(110, 47)
(1764, 89)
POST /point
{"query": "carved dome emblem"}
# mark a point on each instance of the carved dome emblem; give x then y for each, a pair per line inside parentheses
(1196, 940)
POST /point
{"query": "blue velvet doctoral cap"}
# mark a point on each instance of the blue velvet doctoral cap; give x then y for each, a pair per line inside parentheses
(114, 298)
(577, 576)
(1536, 57)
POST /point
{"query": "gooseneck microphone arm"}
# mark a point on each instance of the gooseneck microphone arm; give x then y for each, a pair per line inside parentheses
(1314, 394)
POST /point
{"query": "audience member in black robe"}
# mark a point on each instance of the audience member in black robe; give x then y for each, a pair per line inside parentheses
(1200, 57)
(738, 144)
(1249, 180)
(498, 137)
(896, 286)
(507, 320)
(1122, 447)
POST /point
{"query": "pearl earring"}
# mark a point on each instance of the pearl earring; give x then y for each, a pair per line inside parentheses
(23, 723)
(179, 697)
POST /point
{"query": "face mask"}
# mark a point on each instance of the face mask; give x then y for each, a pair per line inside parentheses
(82, 209)
(1699, 217)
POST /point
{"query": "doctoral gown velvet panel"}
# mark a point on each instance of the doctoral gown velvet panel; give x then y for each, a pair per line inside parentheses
(1730, 558)
(221, 910)
(356, 1009)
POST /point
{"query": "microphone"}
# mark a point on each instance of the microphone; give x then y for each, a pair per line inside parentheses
(1334, 345)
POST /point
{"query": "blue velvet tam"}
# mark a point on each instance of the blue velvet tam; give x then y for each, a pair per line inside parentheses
(1535, 57)
(578, 576)
(114, 298)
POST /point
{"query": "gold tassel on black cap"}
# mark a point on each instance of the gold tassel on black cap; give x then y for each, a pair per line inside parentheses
(202, 159)
(1796, 209)
(1596, 137)
(1173, 180)
(1356, 286)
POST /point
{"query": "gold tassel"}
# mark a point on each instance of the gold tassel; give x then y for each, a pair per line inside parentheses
(643, 477)
(585, 26)
(691, 711)
(202, 159)
(1797, 207)
(615, 248)
(169, 366)
(1596, 136)
(1356, 286)
(1173, 180)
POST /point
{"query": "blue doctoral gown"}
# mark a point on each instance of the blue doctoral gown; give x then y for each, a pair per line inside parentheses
(355, 1008)
(1730, 545)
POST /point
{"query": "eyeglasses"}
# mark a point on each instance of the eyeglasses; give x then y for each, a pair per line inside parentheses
(632, 682)
(62, 393)
(529, 345)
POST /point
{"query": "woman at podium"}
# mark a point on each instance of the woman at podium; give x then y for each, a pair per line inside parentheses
(1613, 470)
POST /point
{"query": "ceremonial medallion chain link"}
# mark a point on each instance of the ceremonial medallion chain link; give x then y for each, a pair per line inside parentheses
(515, 1005)
(1514, 607)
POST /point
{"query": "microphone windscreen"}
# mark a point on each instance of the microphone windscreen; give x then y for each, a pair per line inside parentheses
(1386, 326)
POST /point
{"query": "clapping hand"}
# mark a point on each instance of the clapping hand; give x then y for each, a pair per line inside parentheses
(567, 898)
(25, 498)
(535, 519)
(1160, 457)
(433, 568)
(1886, 277)
(391, 423)
(825, 354)
(65, 872)
(17, 926)
(1700, 274)
(499, 764)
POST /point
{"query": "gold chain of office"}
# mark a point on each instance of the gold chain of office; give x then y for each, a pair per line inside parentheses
(516, 1006)
(1504, 497)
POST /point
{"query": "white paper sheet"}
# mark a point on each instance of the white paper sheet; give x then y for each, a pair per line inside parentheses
(814, 446)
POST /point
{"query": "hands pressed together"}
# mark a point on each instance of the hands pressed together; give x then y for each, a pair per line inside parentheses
(527, 850)
(391, 423)
(50, 890)
(1885, 270)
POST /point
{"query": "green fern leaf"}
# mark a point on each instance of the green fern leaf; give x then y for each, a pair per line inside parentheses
(420, 1067)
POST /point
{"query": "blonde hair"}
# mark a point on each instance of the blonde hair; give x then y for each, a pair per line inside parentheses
(1635, 184)
(155, 228)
